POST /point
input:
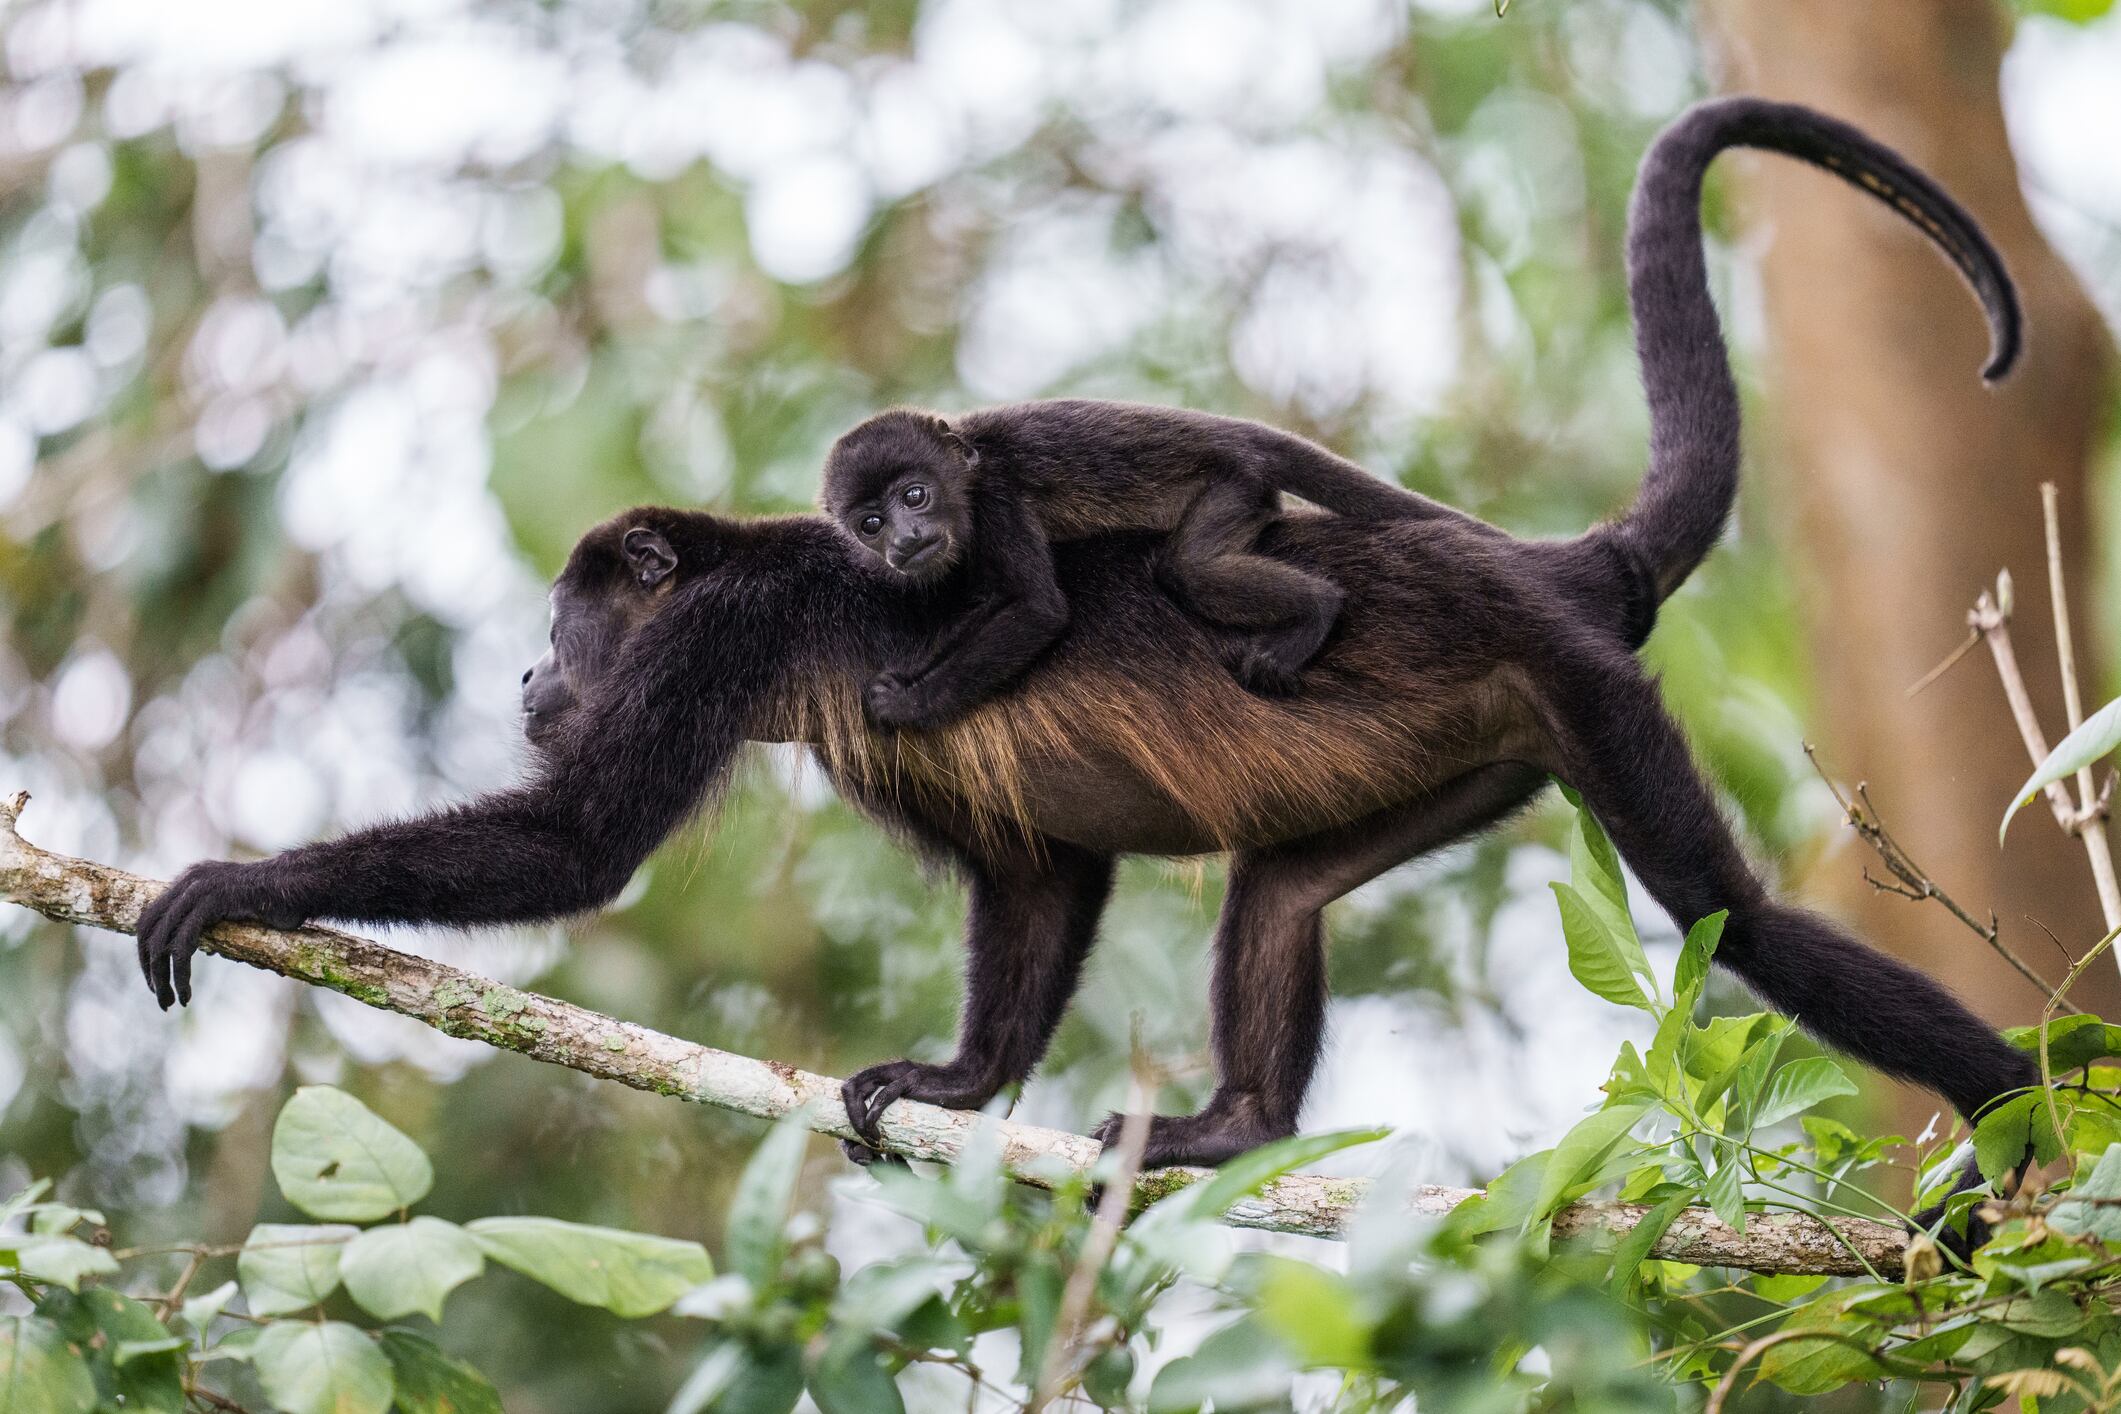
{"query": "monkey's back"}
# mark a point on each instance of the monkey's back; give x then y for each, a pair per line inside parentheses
(1131, 729)
(1090, 467)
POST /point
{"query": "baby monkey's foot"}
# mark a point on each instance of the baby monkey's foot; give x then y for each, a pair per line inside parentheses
(1262, 672)
(894, 701)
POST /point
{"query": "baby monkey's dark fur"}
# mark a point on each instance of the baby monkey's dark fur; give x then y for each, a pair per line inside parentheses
(1468, 668)
(973, 505)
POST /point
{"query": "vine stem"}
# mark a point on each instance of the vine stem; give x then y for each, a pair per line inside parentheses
(461, 1004)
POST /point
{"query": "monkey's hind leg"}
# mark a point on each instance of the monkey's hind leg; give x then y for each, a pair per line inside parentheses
(1269, 989)
(1210, 569)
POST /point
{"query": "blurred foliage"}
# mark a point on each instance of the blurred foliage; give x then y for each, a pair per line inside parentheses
(323, 333)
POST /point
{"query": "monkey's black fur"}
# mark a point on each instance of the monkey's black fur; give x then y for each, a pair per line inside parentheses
(972, 506)
(1468, 667)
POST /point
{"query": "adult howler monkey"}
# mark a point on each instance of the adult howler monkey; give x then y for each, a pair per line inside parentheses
(972, 506)
(1469, 666)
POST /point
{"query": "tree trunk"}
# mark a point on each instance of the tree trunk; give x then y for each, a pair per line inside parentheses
(1901, 485)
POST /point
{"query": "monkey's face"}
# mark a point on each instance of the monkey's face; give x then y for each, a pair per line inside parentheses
(915, 525)
(605, 593)
(900, 485)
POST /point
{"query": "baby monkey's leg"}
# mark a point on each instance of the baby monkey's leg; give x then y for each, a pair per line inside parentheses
(1210, 568)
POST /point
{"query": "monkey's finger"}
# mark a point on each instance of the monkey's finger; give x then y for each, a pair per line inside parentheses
(153, 919)
(180, 961)
(143, 942)
(154, 930)
(854, 1094)
(883, 1099)
(177, 929)
(204, 912)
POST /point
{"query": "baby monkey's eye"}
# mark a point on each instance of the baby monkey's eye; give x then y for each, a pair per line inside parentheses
(915, 496)
(872, 524)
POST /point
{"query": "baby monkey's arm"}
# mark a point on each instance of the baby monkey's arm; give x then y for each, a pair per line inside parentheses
(1014, 609)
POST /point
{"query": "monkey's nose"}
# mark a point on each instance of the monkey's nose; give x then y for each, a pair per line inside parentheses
(527, 675)
(909, 548)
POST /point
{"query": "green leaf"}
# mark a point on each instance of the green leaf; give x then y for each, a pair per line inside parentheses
(1694, 956)
(1634, 1249)
(331, 1368)
(1815, 1366)
(1597, 956)
(410, 1268)
(2085, 746)
(1039, 1285)
(131, 1356)
(2097, 1220)
(1594, 871)
(758, 1213)
(1581, 1151)
(1785, 1288)
(629, 1273)
(63, 1261)
(2072, 1041)
(767, 1381)
(334, 1158)
(2049, 1313)
(22, 1200)
(291, 1266)
(38, 1373)
(854, 1381)
(1241, 1366)
(2003, 1134)
(716, 1372)
(1316, 1313)
(1800, 1085)
(199, 1311)
(877, 1297)
(1726, 1187)
(430, 1382)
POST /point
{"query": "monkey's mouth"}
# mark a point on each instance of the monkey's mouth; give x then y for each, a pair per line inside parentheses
(926, 556)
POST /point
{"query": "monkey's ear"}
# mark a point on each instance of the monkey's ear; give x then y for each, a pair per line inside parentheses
(649, 557)
(957, 442)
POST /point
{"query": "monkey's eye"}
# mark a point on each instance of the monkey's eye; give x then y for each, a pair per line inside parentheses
(915, 496)
(872, 524)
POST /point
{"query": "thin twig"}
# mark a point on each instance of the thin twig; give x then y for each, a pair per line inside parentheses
(1951, 659)
(2091, 804)
(1990, 617)
(1060, 1358)
(1914, 883)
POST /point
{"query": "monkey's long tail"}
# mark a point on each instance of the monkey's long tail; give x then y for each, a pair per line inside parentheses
(1686, 371)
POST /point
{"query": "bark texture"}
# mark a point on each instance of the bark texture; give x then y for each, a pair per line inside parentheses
(1901, 485)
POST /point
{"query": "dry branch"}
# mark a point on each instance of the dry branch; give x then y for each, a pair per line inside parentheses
(544, 1028)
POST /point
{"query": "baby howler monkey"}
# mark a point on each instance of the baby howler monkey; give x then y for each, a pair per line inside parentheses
(972, 506)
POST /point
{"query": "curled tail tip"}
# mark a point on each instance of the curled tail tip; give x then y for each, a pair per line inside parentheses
(2003, 355)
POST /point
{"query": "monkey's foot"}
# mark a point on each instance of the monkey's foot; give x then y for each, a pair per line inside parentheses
(868, 1093)
(1214, 1136)
(1264, 673)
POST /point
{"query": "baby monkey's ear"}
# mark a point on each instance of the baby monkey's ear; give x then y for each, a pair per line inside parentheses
(648, 556)
(956, 441)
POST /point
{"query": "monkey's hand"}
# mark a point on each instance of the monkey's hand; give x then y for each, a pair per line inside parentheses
(894, 700)
(205, 894)
(868, 1093)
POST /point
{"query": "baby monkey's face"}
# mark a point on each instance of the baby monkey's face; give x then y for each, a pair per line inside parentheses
(915, 522)
(901, 485)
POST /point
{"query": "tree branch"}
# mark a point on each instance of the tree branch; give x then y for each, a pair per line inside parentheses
(460, 1004)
